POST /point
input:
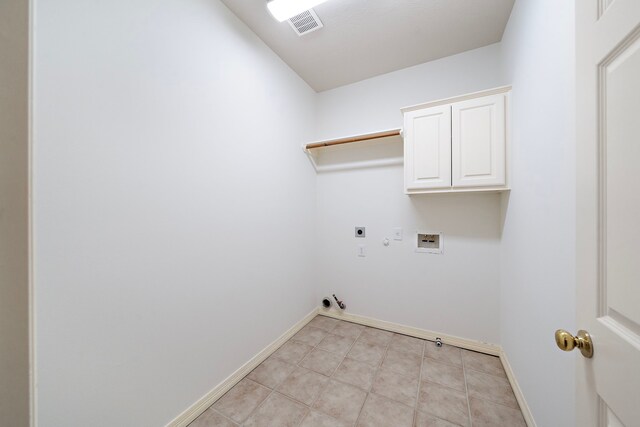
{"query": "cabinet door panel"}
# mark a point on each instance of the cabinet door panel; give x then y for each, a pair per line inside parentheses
(428, 148)
(478, 142)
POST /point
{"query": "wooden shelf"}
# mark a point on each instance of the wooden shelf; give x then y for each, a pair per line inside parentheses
(356, 138)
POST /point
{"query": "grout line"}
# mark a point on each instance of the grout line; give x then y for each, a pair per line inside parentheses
(191, 414)
(415, 407)
(497, 403)
(491, 375)
(443, 386)
(446, 386)
(345, 356)
(297, 365)
(442, 362)
(503, 378)
(343, 359)
(375, 374)
(331, 377)
(462, 343)
(310, 407)
(273, 390)
(466, 390)
(261, 403)
(217, 412)
(493, 401)
(387, 348)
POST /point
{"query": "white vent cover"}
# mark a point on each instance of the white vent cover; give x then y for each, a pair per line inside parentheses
(305, 23)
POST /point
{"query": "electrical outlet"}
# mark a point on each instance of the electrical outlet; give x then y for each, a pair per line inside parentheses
(362, 251)
(397, 233)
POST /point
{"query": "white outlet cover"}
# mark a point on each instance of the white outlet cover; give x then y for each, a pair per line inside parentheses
(362, 252)
(397, 233)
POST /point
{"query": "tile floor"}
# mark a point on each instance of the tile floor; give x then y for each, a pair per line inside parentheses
(335, 374)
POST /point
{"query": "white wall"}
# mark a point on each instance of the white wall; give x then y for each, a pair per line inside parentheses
(175, 214)
(172, 206)
(538, 242)
(455, 293)
(14, 234)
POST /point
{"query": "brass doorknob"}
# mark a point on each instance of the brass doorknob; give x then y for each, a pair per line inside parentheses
(568, 342)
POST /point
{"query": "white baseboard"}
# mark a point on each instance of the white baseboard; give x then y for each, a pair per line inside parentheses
(480, 346)
(208, 399)
(526, 412)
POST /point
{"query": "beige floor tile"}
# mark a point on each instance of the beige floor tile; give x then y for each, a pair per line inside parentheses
(321, 361)
(318, 419)
(303, 385)
(376, 336)
(271, 372)
(427, 420)
(341, 401)
(336, 344)
(347, 329)
(309, 382)
(483, 363)
(323, 322)
(381, 412)
(405, 344)
(403, 363)
(292, 351)
(443, 402)
(277, 410)
(241, 400)
(211, 418)
(356, 373)
(490, 387)
(443, 374)
(488, 414)
(310, 335)
(396, 386)
(367, 353)
(445, 354)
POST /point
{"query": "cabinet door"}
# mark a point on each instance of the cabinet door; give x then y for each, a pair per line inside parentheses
(478, 142)
(427, 148)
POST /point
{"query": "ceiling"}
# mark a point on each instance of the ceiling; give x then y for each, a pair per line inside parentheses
(365, 38)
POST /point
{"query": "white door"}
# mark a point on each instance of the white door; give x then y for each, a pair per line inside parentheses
(478, 142)
(608, 210)
(427, 148)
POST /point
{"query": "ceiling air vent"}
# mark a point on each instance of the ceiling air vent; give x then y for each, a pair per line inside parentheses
(305, 23)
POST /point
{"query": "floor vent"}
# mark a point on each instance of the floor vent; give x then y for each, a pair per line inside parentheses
(305, 23)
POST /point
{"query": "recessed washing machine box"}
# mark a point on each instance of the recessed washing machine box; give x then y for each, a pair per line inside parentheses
(429, 242)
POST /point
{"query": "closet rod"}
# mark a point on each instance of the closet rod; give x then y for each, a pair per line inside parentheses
(358, 138)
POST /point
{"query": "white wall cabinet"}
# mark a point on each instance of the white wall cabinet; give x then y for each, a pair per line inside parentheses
(458, 144)
(428, 148)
